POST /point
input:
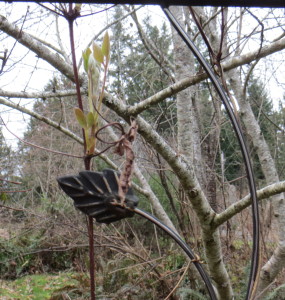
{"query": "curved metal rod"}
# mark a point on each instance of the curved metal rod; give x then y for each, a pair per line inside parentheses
(184, 246)
(239, 134)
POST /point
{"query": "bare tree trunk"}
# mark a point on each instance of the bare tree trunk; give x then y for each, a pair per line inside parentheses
(210, 147)
(189, 147)
(277, 261)
(157, 207)
(211, 141)
(188, 136)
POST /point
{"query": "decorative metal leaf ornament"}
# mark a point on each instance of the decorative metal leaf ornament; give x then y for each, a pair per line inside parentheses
(96, 194)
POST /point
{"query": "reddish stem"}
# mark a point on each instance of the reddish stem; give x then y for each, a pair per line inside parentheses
(75, 70)
(91, 258)
(87, 160)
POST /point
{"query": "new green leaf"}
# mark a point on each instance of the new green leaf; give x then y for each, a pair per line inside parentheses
(106, 45)
(90, 119)
(98, 54)
(85, 56)
(80, 117)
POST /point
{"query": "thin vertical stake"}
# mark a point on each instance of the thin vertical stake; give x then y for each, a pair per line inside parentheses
(91, 258)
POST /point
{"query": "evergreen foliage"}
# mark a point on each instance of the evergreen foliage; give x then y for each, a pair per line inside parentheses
(5, 157)
(271, 126)
(6, 168)
(134, 75)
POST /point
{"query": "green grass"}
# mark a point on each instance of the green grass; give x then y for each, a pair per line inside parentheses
(36, 287)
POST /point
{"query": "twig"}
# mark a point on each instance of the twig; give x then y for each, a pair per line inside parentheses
(12, 208)
(106, 27)
(10, 181)
(37, 146)
(179, 281)
(123, 146)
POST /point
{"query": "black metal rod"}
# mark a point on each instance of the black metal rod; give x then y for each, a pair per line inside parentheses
(239, 134)
(184, 246)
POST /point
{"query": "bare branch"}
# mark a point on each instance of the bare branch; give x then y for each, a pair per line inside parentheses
(42, 118)
(146, 188)
(42, 51)
(253, 55)
(40, 147)
(169, 91)
(106, 27)
(265, 193)
(177, 162)
(189, 81)
(39, 95)
(47, 44)
(63, 52)
(68, 133)
(157, 56)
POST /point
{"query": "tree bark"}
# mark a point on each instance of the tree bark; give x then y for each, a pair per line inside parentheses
(188, 131)
(42, 51)
(277, 262)
(189, 148)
